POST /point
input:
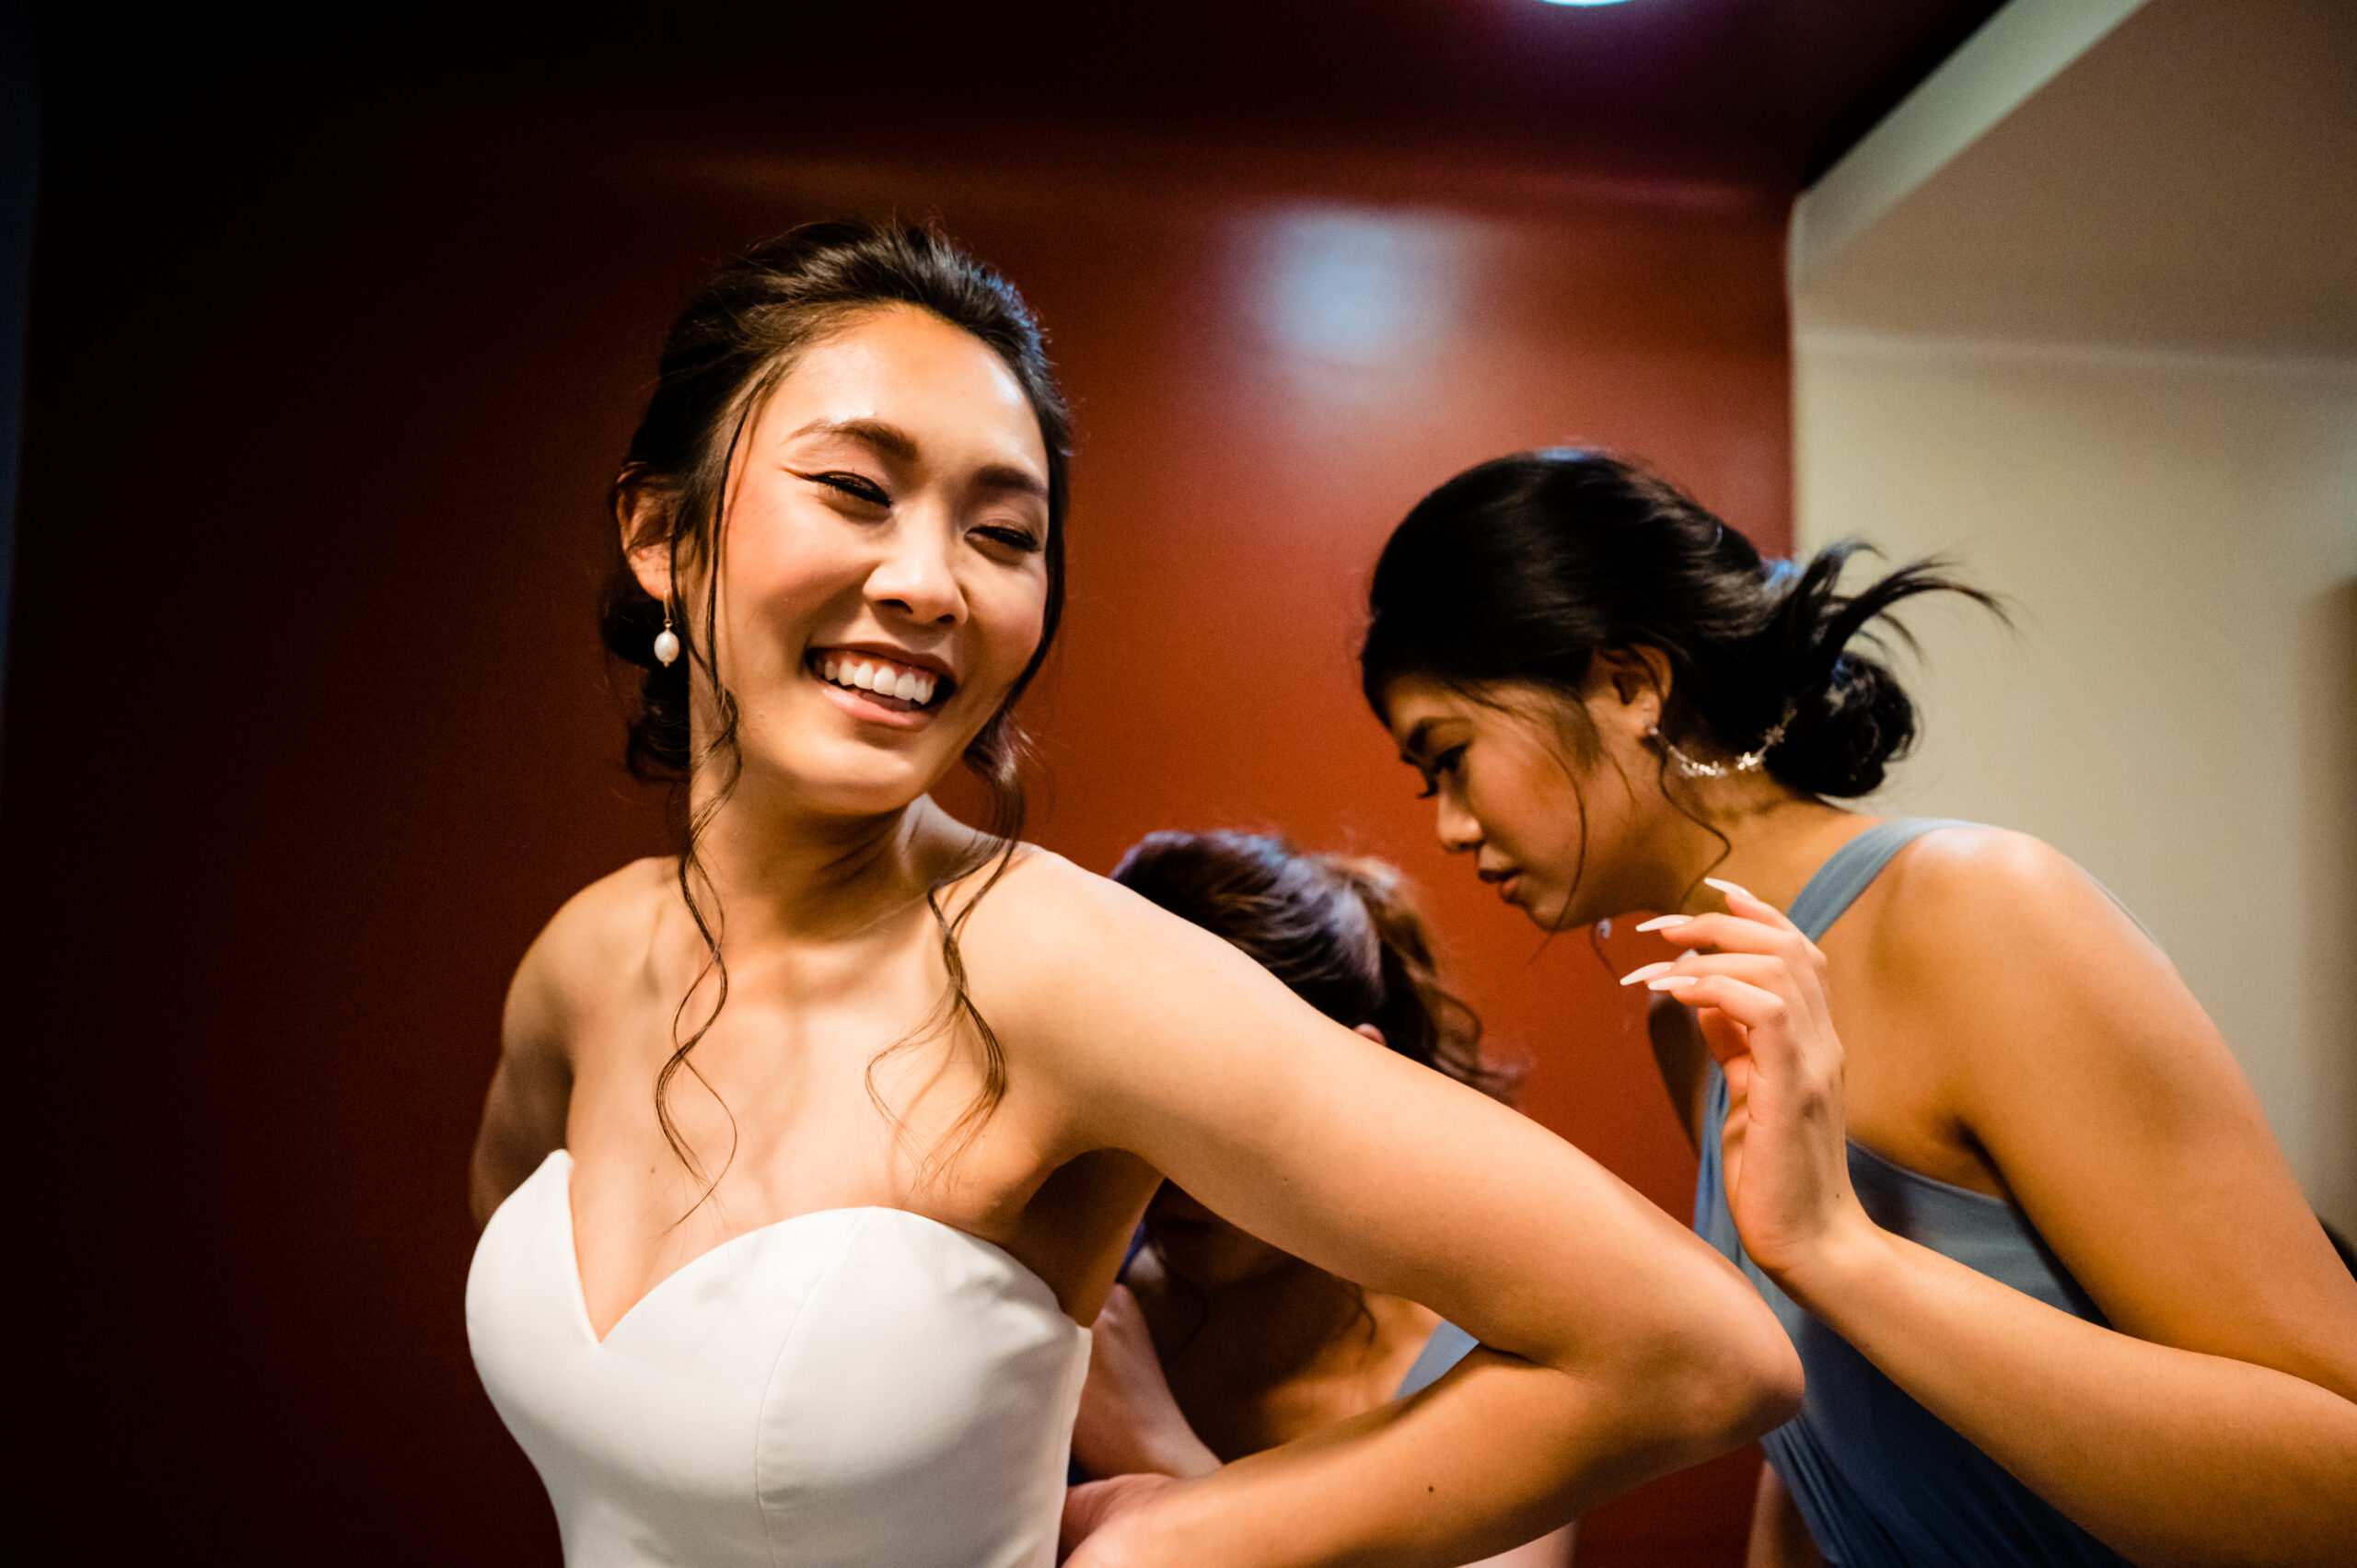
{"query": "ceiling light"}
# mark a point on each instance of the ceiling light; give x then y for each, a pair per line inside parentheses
(1581, 2)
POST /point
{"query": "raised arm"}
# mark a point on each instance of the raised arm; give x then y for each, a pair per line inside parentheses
(1619, 1347)
(2216, 1425)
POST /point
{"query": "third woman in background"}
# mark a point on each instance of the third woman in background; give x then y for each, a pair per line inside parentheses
(2057, 1293)
(1217, 1344)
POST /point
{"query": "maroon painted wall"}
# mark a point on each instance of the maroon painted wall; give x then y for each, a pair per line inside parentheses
(307, 730)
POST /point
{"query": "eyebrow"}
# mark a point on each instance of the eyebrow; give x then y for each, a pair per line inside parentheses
(1411, 750)
(890, 441)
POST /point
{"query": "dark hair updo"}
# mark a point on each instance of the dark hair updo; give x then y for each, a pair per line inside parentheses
(1341, 932)
(736, 338)
(1521, 568)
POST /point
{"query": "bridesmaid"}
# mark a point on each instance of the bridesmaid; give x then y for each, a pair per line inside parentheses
(2057, 1293)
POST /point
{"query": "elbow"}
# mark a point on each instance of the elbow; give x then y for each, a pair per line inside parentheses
(1770, 1380)
(1734, 1379)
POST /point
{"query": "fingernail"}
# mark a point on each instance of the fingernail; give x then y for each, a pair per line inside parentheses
(1730, 887)
(1647, 972)
(1664, 922)
(1672, 983)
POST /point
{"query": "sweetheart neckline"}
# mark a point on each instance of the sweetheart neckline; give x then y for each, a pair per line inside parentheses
(581, 1294)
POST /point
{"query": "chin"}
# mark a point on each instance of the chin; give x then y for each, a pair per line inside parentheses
(1551, 911)
(846, 778)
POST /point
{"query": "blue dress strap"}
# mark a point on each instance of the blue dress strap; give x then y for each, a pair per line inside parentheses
(1848, 870)
(1449, 1345)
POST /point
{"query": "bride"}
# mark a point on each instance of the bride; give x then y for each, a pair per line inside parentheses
(811, 1148)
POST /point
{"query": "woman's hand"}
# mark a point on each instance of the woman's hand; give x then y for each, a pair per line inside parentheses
(1129, 1423)
(1758, 997)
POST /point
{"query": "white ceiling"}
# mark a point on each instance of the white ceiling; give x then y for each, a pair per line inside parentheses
(2188, 184)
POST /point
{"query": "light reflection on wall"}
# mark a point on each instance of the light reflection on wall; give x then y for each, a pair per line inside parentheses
(1352, 288)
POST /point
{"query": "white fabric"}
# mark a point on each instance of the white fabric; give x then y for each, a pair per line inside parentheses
(851, 1388)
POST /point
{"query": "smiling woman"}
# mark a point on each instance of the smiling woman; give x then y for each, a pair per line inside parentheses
(811, 1149)
(825, 449)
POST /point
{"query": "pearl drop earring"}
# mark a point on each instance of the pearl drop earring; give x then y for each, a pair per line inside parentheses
(667, 641)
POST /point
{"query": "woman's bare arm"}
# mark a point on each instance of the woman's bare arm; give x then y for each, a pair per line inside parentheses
(1130, 1425)
(531, 1088)
(1619, 1347)
(2216, 1425)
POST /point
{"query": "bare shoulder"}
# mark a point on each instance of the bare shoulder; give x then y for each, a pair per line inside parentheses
(2110, 1104)
(1966, 897)
(2017, 978)
(1972, 867)
(565, 975)
(1082, 968)
(1049, 933)
(592, 938)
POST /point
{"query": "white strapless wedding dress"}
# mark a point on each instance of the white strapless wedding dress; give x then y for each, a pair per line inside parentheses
(851, 1388)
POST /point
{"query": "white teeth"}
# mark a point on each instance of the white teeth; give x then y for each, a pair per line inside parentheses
(909, 686)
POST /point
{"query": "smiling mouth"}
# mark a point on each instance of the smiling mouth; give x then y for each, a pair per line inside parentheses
(899, 688)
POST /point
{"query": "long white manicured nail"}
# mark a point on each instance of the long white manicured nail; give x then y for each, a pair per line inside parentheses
(1647, 972)
(1730, 887)
(1672, 983)
(1664, 922)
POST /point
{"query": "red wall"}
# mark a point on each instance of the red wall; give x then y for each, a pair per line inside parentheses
(307, 732)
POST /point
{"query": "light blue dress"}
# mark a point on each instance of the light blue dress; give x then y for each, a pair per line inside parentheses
(1881, 1482)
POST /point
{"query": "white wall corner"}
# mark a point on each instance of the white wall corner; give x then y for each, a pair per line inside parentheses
(2016, 53)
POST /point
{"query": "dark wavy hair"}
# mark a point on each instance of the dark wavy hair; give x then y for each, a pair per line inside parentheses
(1343, 934)
(1521, 568)
(738, 336)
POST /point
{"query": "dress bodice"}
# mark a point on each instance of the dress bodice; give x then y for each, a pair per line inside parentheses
(850, 1388)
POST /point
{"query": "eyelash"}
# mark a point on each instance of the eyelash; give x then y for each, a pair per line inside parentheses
(861, 488)
(858, 487)
(1440, 764)
(1014, 539)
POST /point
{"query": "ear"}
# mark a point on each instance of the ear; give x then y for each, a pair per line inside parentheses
(1627, 688)
(643, 513)
(1371, 1032)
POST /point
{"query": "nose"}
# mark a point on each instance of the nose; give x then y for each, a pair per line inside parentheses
(918, 574)
(1457, 827)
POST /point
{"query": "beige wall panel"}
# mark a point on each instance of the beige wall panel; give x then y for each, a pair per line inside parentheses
(2176, 711)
